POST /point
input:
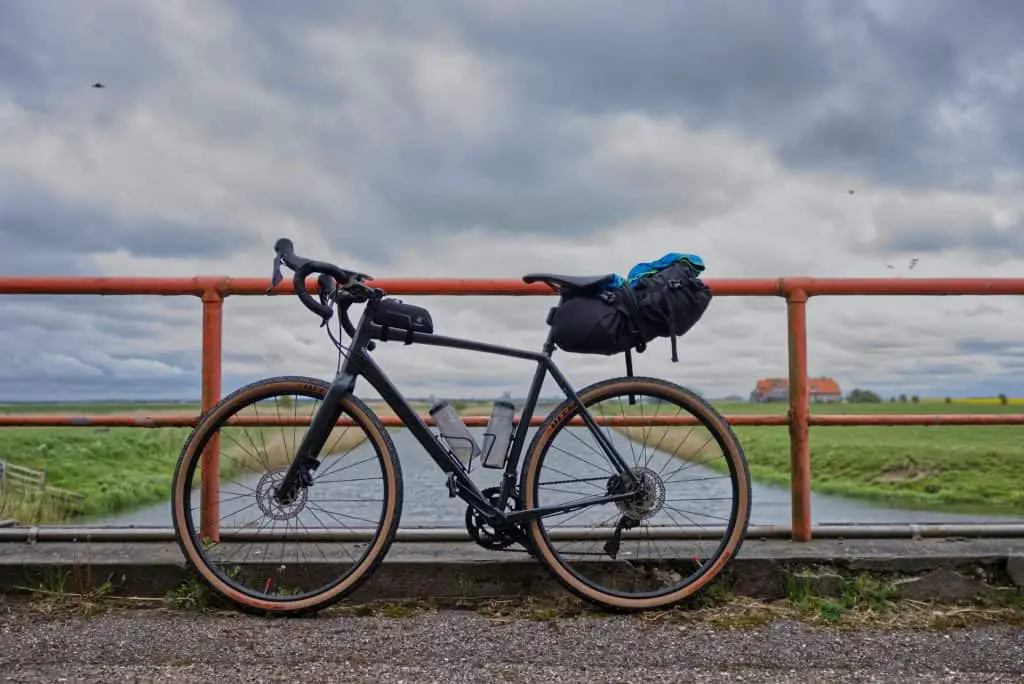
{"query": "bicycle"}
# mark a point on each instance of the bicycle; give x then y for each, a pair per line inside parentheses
(498, 518)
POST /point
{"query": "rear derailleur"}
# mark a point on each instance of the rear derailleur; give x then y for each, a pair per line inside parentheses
(632, 510)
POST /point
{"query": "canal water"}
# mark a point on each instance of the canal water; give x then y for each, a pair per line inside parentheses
(426, 501)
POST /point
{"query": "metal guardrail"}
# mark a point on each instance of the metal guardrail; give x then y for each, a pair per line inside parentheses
(56, 533)
(796, 291)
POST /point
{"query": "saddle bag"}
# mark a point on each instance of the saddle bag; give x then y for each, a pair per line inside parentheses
(663, 298)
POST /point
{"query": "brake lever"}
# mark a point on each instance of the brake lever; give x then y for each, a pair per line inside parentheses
(276, 277)
(326, 289)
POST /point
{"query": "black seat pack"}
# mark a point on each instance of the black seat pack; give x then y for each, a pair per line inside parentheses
(664, 303)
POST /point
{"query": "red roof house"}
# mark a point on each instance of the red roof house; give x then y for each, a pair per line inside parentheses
(777, 389)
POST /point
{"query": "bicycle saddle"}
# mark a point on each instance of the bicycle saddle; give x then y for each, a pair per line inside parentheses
(567, 283)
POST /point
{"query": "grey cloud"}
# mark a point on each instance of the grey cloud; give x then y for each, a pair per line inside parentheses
(521, 186)
(830, 86)
(865, 344)
(36, 389)
(51, 53)
(79, 328)
(713, 61)
(933, 225)
(31, 219)
(83, 357)
(64, 348)
(1015, 367)
(233, 356)
(38, 259)
(983, 309)
(987, 346)
(982, 237)
(523, 178)
(41, 380)
(944, 369)
(836, 86)
(130, 314)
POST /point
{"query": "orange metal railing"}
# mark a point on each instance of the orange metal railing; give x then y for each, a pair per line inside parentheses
(796, 291)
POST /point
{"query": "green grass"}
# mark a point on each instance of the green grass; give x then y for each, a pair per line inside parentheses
(31, 506)
(954, 467)
(115, 468)
(942, 467)
(923, 408)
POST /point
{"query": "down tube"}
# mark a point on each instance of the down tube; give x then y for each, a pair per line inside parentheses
(373, 373)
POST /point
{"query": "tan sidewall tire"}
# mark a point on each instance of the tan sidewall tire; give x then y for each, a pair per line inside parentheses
(375, 432)
(697, 406)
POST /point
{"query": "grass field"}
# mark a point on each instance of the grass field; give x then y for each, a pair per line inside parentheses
(122, 468)
(954, 468)
(947, 467)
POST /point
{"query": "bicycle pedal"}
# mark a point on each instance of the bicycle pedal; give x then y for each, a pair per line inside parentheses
(452, 486)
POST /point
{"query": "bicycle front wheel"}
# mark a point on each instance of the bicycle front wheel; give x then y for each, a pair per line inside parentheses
(299, 556)
(680, 529)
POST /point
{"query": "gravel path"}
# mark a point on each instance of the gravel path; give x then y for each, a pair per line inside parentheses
(166, 646)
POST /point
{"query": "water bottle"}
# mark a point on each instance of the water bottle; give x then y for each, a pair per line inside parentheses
(498, 433)
(455, 433)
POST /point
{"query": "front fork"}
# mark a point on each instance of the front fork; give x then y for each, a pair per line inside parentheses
(299, 473)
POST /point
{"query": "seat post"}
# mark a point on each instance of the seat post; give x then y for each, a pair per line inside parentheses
(549, 344)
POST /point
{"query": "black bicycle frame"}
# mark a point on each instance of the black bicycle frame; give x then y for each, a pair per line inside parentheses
(360, 363)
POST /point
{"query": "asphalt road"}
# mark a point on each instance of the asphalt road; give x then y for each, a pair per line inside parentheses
(156, 645)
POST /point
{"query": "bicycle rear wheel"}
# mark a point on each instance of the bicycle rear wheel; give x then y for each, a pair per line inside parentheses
(301, 556)
(695, 490)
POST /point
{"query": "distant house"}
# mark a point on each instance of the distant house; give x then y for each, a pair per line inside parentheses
(777, 389)
(770, 389)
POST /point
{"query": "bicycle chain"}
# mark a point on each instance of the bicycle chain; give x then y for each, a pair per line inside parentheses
(516, 546)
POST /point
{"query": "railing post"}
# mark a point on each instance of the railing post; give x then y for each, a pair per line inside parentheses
(209, 515)
(799, 411)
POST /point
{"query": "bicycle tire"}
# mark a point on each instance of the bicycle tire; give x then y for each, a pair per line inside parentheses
(191, 454)
(739, 473)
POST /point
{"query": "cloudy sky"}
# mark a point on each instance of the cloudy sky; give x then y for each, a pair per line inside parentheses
(492, 138)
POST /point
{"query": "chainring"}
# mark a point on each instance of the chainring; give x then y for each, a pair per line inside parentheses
(485, 535)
